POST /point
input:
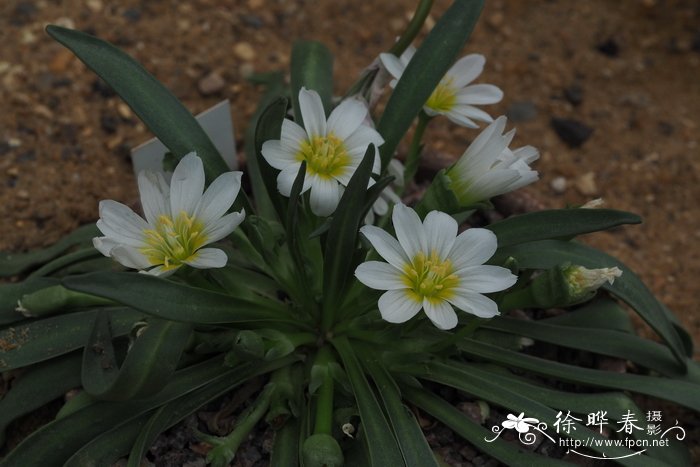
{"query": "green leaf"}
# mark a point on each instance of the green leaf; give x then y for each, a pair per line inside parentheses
(36, 341)
(644, 352)
(148, 366)
(680, 392)
(177, 302)
(342, 235)
(312, 68)
(507, 453)
(558, 223)
(37, 386)
(414, 446)
(508, 397)
(65, 261)
(157, 107)
(629, 288)
(383, 447)
(425, 70)
(12, 264)
(52, 444)
(10, 294)
(263, 177)
(601, 313)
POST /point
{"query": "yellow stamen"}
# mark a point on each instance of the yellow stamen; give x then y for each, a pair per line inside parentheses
(325, 156)
(428, 277)
(173, 241)
(444, 97)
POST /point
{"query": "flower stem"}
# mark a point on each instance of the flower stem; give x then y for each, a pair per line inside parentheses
(416, 147)
(413, 28)
(324, 402)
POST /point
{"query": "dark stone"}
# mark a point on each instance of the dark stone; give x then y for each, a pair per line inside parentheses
(254, 21)
(11, 182)
(132, 14)
(4, 148)
(23, 13)
(521, 111)
(695, 44)
(665, 128)
(109, 123)
(27, 156)
(572, 132)
(574, 94)
(609, 47)
(102, 88)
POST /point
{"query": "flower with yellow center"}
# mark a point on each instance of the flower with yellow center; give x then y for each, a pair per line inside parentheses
(432, 268)
(453, 97)
(180, 220)
(332, 149)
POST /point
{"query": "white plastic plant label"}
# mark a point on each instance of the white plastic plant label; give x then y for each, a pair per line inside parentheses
(217, 124)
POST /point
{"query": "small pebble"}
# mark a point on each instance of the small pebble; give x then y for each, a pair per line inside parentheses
(574, 94)
(94, 5)
(609, 48)
(124, 111)
(244, 51)
(558, 184)
(572, 132)
(586, 184)
(211, 84)
(521, 111)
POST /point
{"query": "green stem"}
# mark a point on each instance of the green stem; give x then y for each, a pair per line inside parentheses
(414, 151)
(521, 298)
(413, 28)
(324, 402)
(50, 300)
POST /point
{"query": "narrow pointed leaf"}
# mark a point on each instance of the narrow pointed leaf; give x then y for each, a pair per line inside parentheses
(12, 264)
(425, 70)
(10, 294)
(382, 446)
(157, 107)
(148, 366)
(39, 340)
(65, 261)
(171, 300)
(629, 288)
(559, 223)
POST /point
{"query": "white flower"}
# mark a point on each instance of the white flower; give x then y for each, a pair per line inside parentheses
(583, 280)
(489, 168)
(332, 150)
(453, 97)
(388, 197)
(180, 220)
(432, 268)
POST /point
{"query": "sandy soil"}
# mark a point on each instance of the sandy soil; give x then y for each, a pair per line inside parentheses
(627, 70)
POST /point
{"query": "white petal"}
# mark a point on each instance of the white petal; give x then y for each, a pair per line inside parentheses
(493, 183)
(292, 135)
(485, 279)
(324, 196)
(363, 136)
(396, 306)
(379, 275)
(440, 313)
(119, 222)
(277, 155)
(392, 64)
(187, 185)
(440, 233)
(286, 178)
(130, 257)
(409, 230)
(479, 94)
(207, 258)
(346, 118)
(466, 70)
(219, 197)
(104, 245)
(472, 248)
(462, 112)
(380, 206)
(162, 271)
(312, 113)
(386, 245)
(476, 304)
(527, 154)
(459, 119)
(223, 227)
(154, 191)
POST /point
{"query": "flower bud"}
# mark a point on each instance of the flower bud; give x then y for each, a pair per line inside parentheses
(321, 450)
